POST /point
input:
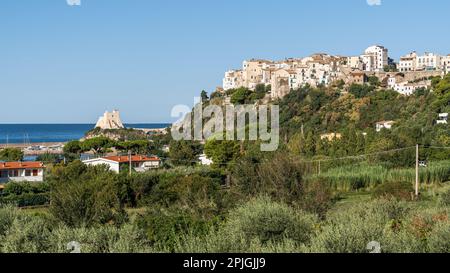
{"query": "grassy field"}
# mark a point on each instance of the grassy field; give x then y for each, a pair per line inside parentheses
(368, 176)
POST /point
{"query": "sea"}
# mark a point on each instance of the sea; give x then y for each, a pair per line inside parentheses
(39, 133)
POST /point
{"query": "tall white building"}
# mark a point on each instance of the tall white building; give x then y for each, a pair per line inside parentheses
(375, 58)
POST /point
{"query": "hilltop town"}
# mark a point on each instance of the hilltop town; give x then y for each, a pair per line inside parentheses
(411, 72)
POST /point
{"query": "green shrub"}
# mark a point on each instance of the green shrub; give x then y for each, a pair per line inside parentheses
(398, 190)
(317, 198)
(439, 239)
(163, 227)
(350, 230)
(270, 221)
(444, 198)
(105, 239)
(22, 233)
(27, 199)
(8, 214)
(257, 225)
(85, 196)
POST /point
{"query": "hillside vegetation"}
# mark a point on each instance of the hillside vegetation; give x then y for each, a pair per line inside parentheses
(311, 195)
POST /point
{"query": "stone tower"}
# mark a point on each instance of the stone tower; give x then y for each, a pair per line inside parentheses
(110, 121)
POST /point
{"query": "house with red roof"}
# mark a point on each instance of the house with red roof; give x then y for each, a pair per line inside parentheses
(139, 163)
(21, 171)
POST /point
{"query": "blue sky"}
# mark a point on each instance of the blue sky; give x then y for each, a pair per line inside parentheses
(68, 64)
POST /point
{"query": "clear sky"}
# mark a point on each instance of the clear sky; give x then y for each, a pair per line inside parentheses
(68, 64)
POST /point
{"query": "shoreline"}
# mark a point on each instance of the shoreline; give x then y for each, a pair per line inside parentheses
(26, 145)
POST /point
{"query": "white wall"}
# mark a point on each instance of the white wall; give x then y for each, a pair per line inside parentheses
(113, 166)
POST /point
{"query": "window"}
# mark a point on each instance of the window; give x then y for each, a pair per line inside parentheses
(35, 172)
(27, 172)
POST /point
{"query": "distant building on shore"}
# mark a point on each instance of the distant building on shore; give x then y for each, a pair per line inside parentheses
(139, 163)
(21, 171)
(110, 121)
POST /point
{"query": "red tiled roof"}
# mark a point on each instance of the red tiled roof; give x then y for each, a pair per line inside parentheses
(21, 165)
(134, 158)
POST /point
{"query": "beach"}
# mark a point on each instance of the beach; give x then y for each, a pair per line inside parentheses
(37, 148)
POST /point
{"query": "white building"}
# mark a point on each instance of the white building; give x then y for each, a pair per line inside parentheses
(110, 121)
(138, 163)
(375, 58)
(384, 125)
(428, 61)
(22, 171)
(404, 87)
(443, 118)
(445, 64)
(232, 79)
(408, 62)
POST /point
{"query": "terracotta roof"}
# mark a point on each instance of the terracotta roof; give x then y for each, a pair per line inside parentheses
(134, 158)
(21, 165)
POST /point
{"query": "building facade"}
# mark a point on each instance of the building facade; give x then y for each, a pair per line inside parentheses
(375, 58)
(408, 62)
(21, 171)
(445, 63)
(428, 61)
(232, 80)
(115, 163)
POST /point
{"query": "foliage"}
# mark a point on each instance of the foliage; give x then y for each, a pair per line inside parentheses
(49, 158)
(277, 176)
(317, 198)
(184, 152)
(84, 195)
(258, 225)
(164, 227)
(444, 198)
(23, 194)
(222, 152)
(398, 190)
(350, 230)
(72, 147)
(358, 176)
(11, 154)
(97, 144)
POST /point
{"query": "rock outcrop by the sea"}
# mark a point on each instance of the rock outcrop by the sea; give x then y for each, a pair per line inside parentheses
(110, 121)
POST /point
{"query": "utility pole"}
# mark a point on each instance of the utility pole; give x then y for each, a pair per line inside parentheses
(319, 167)
(129, 158)
(417, 170)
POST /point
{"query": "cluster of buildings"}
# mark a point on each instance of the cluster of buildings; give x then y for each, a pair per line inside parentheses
(324, 69)
(139, 163)
(282, 76)
(33, 171)
(426, 62)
